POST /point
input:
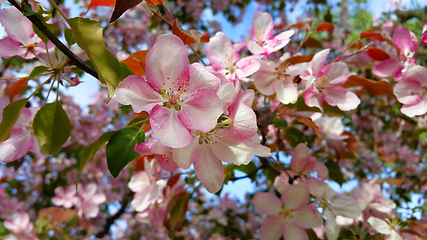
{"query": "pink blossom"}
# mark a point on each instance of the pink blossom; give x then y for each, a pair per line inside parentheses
(288, 216)
(146, 188)
(225, 59)
(236, 143)
(424, 37)
(385, 228)
(23, 41)
(303, 164)
(411, 91)
(20, 227)
(325, 83)
(408, 43)
(65, 198)
(272, 78)
(178, 97)
(89, 201)
(22, 139)
(333, 204)
(263, 39)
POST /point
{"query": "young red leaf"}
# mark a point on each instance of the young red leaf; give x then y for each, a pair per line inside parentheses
(377, 54)
(17, 88)
(372, 35)
(121, 7)
(372, 87)
(96, 3)
(325, 27)
(189, 37)
(155, 2)
(136, 62)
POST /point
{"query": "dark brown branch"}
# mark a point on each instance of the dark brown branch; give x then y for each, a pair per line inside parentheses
(73, 58)
(112, 219)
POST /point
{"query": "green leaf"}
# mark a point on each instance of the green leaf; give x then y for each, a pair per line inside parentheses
(51, 127)
(37, 71)
(248, 169)
(89, 36)
(126, 71)
(423, 136)
(87, 153)
(11, 114)
(69, 37)
(334, 172)
(177, 214)
(120, 148)
(294, 136)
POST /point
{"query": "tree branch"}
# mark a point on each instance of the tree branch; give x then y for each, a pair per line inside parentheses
(112, 219)
(73, 58)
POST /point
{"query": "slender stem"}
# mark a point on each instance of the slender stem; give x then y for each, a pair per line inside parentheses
(345, 50)
(161, 17)
(40, 25)
(112, 219)
(168, 12)
(195, 52)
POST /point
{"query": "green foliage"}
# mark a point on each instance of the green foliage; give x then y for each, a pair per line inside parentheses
(89, 36)
(11, 114)
(294, 136)
(334, 172)
(87, 153)
(120, 148)
(37, 71)
(51, 127)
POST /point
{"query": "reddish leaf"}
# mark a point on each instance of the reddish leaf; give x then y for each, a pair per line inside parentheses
(96, 3)
(57, 214)
(191, 36)
(17, 88)
(372, 35)
(395, 181)
(298, 59)
(155, 2)
(312, 43)
(372, 87)
(417, 224)
(377, 54)
(309, 123)
(136, 62)
(412, 232)
(297, 25)
(351, 142)
(121, 7)
(325, 27)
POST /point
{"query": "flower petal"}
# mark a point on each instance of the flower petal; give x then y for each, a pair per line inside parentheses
(209, 170)
(201, 111)
(18, 144)
(200, 78)
(292, 231)
(380, 225)
(168, 128)
(267, 203)
(295, 196)
(10, 47)
(418, 108)
(318, 61)
(337, 73)
(408, 91)
(406, 40)
(287, 92)
(18, 27)
(387, 68)
(220, 52)
(341, 97)
(167, 62)
(270, 228)
(134, 90)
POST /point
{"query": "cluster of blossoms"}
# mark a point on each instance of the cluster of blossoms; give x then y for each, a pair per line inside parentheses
(246, 103)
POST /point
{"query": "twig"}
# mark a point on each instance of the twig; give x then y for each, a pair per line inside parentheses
(112, 219)
(73, 58)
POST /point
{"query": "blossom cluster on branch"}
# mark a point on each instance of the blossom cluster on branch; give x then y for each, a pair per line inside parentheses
(326, 119)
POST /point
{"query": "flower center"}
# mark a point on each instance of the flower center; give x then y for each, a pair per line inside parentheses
(286, 214)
